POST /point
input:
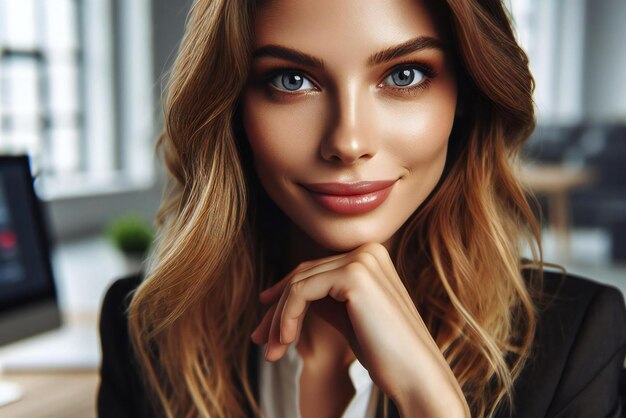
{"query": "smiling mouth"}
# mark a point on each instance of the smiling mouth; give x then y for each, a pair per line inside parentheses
(350, 198)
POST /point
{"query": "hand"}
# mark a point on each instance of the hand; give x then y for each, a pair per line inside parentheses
(362, 296)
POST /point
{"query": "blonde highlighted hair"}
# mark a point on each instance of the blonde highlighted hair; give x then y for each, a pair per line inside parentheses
(459, 254)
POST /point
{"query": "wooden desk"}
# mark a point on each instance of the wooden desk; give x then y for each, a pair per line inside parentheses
(555, 182)
(56, 394)
(53, 395)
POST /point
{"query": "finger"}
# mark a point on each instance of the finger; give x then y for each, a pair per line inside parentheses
(336, 264)
(376, 259)
(291, 326)
(275, 349)
(299, 297)
(276, 335)
(260, 334)
(272, 293)
(394, 285)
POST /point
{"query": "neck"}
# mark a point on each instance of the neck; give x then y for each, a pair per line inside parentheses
(302, 248)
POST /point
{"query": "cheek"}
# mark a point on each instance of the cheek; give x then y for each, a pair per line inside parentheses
(420, 131)
(279, 135)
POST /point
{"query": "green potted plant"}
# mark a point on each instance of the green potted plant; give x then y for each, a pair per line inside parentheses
(132, 236)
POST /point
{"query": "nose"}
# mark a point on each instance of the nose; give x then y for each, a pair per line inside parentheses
(350, 136)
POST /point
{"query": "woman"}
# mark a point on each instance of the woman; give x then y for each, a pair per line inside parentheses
(355, 160)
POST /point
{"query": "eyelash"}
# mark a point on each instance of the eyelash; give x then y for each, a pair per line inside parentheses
(426, 70)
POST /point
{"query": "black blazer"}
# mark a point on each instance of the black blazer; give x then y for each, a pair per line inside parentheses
(580, 348)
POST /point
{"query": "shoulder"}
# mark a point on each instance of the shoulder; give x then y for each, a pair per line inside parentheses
(566, 303)
(118, 296)
(579, 349)
(573, 309)
(113, 313)
(121, 391)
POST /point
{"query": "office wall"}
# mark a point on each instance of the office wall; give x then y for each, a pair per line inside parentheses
(168, 22)
(605, 60)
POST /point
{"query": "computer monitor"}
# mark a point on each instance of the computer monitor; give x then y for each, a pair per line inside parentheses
(28, 297)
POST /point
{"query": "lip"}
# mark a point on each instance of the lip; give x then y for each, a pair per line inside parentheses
(349, 189)
(350, 198)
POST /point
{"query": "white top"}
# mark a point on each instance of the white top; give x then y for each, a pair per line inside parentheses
(279, 387)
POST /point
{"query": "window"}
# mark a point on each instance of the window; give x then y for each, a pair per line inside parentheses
(76, 95)
(552, 32)
(39, 83)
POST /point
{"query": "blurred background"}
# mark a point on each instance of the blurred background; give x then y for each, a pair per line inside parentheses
(80, 85)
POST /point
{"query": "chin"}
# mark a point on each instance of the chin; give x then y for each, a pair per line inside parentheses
(344, 242)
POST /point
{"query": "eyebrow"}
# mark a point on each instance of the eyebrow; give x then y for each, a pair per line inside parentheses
(412, 45)
(405, 48)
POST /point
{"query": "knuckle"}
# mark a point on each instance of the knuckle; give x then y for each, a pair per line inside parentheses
(376, 248)
(289, 287)
(297, 278)
(380, 253)
(294, 287)
(342, 293)
(366, 258)
(304, 265)
(355, 269)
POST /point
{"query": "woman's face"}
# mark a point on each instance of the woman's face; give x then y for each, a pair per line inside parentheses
(343, 92)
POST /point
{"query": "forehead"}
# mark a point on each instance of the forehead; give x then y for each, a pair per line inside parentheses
(331, 27)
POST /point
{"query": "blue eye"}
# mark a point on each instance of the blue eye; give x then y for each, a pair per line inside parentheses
(291, 81)
(405, 77)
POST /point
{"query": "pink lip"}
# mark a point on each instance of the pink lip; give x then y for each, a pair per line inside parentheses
(350, 198)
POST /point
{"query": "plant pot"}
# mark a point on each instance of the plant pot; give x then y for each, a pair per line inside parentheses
(133, 263)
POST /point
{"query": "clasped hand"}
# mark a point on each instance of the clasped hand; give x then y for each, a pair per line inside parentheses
(372, 309)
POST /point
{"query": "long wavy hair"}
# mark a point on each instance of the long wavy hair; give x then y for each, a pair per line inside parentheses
(459, 254)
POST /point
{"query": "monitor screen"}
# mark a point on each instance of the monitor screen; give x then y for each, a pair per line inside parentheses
(28, 303)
